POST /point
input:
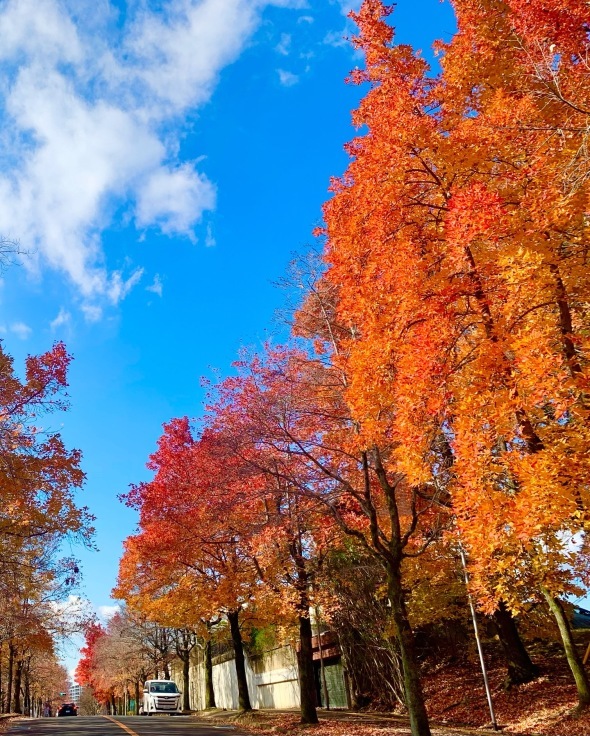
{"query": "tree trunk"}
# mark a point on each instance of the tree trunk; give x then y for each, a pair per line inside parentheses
(412, 685)
(209, 691)
(10, 675)
(520, 667)
(27, 689)
(236, 636)
(573, 658)
(186, 665)
(306, 672)
(17, 684)
(137, 683)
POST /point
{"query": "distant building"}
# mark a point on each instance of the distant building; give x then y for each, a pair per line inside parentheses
(74, 693)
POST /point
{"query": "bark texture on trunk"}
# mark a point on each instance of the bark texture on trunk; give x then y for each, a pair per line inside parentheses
(186, 704)
(573, 658)
(413, 687)
(236, 636)
(27, 688)
(10, 677)
(520, 667)
(306, 672)
(17, 685)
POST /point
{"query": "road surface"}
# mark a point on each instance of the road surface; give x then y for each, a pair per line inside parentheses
(116, 726)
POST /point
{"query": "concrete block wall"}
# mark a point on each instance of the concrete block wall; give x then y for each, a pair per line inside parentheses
(272, 680)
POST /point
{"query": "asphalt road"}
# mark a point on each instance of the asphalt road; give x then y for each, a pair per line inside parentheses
(117, 726)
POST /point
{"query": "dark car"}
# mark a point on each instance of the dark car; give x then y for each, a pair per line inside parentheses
(580, 618)
(68, 709)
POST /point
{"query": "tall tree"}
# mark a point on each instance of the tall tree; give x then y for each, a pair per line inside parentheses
(456, 241)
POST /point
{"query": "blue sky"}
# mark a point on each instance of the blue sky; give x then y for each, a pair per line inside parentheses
(162, 161)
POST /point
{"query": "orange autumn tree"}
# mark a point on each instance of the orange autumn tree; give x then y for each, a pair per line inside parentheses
(39, 477)
(298, 428)
(161, 590)
(454, 240)
(385, 252)
(38, 474)
(525, 438)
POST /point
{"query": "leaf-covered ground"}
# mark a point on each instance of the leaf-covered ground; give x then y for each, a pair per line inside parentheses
(5, 720)
(269, 723)
(545, 706)
(456, 703)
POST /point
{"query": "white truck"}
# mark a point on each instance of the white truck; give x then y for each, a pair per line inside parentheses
(160, 696)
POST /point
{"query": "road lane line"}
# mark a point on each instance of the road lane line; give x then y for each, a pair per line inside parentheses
(122, 725)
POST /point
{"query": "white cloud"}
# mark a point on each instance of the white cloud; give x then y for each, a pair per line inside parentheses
(210, 241)
(107, 612)
(63, 318)
(346, 6)
(92, 312)
(341, 38)
(119, 287)
(156, 287)
(178, 57)
(21, 330)
(336, 38)
(71, 613)
(174, 199)
(284, 45)
(38, 28)
(286, 78)
(90, 119)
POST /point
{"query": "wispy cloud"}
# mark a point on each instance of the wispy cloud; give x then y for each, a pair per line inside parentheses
(90, 125)
(63, 318)
(20, 329)
(337, 38)
(119, 287)
(286, 78)
(284, 45)
(341, 37)
(156, 287)
(210, 241)
(91, 312)
(347, 5)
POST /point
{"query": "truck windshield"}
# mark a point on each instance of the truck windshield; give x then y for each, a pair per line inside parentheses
(163, 687)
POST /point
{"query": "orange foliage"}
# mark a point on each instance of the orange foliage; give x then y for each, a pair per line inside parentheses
(457, 241)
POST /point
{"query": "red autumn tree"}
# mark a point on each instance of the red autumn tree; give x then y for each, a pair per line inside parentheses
(190, 543)
(86, 670)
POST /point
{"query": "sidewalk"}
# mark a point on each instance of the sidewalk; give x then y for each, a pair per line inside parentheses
(332, 723)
